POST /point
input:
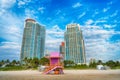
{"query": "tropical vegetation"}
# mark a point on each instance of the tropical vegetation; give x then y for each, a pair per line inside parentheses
(68, 64)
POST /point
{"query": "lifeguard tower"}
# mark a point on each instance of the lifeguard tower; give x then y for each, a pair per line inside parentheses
(55, 66)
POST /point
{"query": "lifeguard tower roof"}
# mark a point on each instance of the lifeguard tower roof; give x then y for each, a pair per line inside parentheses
(54, 54)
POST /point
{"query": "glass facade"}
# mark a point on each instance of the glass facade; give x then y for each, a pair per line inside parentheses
(62, 50)
(33, 43)
(74, 44)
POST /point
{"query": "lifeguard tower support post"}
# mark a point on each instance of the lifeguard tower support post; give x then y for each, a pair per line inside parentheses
(55, 66)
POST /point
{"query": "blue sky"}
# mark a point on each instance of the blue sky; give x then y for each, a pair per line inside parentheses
(99, 20)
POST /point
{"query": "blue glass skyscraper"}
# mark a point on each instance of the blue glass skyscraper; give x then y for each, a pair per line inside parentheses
(33, 42)
(74, 44)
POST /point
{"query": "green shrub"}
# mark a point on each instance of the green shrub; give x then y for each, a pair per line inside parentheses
(12, 68)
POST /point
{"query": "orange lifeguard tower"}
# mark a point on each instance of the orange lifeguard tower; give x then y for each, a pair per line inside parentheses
(55, 66)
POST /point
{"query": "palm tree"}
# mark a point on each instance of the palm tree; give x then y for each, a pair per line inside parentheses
(44, 61)
(68, 63)
(34, 62)
(99, 62)
(3, 62)
(14, 62)
(93, 64)
(117, 63)
(7, 61)
(110, 63)
(25, 60)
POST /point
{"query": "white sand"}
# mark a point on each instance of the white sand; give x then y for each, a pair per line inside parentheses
(92, 71)
(69, 75)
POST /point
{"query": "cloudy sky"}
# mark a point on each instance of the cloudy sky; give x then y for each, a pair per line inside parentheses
(99, 21)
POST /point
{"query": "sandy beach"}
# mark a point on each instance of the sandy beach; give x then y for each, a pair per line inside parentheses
(68, 75)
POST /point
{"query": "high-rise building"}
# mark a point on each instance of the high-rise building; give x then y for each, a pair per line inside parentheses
(62, 50)
(33, 42)
(74, 44)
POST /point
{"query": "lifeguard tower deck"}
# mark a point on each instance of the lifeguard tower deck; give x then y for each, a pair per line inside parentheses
(55, 66)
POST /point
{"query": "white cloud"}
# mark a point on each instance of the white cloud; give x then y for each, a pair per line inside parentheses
(88, 22)
(107, 26)
(9, 50)
(7, 3)
(100, 21)
(58, 12)
(102, 50)
(77, 5)
(29, 13)
(106, 9)
(12, 30)
(21, 3)
(81, 15)
(97, 43)
(114, 14)
(2, 12)
(95, 12)
(55, 30)
(27, 1)
(41, 9)
(9, 45)
(54, 37)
